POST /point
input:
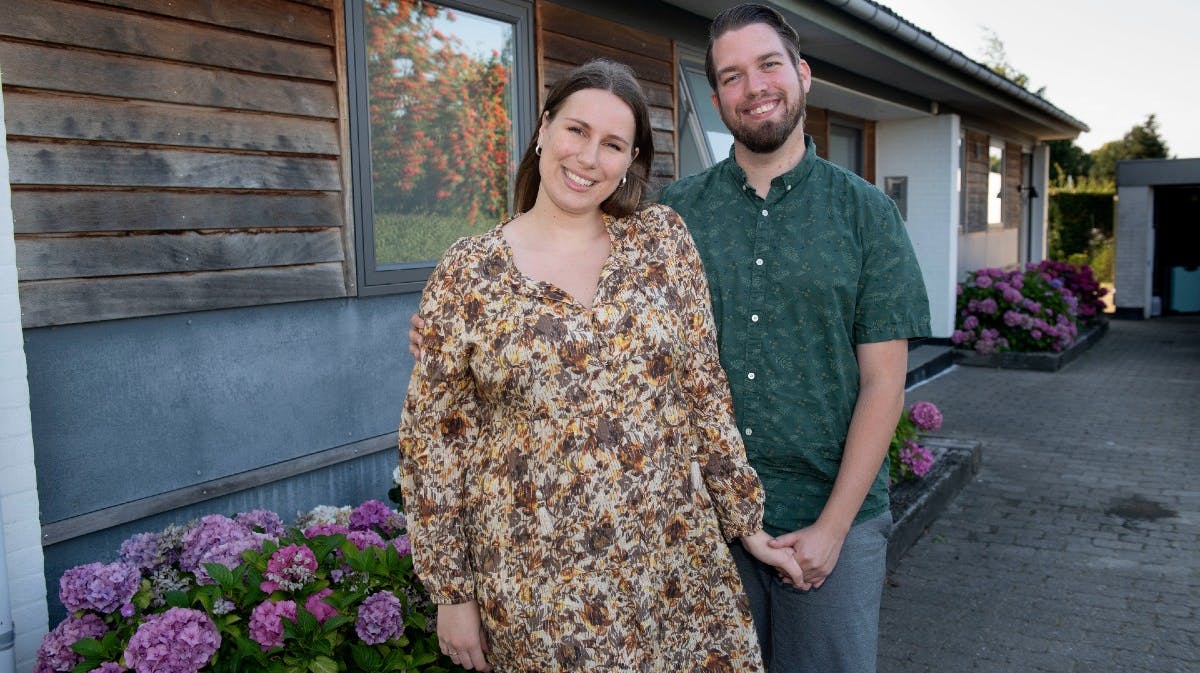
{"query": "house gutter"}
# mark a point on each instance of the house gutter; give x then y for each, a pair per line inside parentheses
(887, 22)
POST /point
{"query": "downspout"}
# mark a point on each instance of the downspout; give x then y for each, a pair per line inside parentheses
(889, 23)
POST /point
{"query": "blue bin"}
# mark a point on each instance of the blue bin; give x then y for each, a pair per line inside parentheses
(1185, 289)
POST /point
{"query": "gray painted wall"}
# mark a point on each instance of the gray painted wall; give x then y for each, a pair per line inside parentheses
(129, 409)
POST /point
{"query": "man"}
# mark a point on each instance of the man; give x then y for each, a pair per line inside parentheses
(816, 290)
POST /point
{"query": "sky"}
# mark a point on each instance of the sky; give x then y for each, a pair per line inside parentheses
(1107, 63)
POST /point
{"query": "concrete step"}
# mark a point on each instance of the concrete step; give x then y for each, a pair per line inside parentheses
(926, 361)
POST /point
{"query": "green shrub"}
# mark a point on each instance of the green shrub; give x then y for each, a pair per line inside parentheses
(403, 237)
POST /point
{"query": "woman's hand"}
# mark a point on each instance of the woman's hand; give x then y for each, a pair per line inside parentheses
(460, 635)
(759, 547)
(414, 336)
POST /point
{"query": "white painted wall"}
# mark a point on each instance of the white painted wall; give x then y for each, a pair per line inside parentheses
(996, 247)
(1135, 249)
(1039, 217)
(926, 151)
(18, 483)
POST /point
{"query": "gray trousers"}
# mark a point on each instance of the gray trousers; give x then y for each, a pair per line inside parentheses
(834, 629)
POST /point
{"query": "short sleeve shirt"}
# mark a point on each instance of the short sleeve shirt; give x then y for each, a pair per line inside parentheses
(798, 280)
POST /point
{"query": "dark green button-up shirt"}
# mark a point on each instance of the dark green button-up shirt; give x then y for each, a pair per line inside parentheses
(798, 279)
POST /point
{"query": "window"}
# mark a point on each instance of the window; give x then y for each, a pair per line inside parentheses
(703, 138)
(442, 102)
(995, 186)
(846, 146)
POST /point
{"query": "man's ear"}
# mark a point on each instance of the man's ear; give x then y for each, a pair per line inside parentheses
(805, 75)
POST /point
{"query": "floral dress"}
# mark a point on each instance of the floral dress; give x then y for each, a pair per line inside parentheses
(574, 470)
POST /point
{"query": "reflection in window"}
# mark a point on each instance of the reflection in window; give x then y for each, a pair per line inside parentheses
(995, 184)
(441, 115)
(846, 147)
(703, 138)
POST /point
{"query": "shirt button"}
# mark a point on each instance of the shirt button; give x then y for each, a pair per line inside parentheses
(789, 188)
(764, 212)
(750, 376)
(749, 431)
(758, 262)
(754, 318)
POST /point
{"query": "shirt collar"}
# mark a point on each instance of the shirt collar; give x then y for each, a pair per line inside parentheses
(790, 178)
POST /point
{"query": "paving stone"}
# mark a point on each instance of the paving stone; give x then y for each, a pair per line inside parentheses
(1075, 547)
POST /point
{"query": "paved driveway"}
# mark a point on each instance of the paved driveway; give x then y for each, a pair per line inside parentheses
(1077, 548)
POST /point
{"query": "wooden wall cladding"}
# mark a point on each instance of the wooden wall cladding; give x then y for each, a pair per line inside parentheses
(975, 182)
(1011, 201)
(567, 38)
(173, 156)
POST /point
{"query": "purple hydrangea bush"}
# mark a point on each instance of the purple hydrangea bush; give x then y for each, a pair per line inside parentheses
(333, 592)
(1021, 310)
(907, 458)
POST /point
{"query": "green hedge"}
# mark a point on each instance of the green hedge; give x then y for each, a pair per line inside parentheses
(1077, 219)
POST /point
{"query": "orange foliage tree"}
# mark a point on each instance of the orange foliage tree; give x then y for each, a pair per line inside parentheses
(440, 126)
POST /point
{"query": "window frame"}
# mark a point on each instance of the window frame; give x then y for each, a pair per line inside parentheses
(849, 128)
(392, 278)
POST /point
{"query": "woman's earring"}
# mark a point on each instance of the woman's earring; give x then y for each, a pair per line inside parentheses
(537, 149)
(624, 179)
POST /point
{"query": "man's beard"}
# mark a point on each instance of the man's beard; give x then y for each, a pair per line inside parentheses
(769, 136)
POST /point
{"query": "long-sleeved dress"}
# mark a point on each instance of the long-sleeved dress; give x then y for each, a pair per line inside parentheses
(574, 470)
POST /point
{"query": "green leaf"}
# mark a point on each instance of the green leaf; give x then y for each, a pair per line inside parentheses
(366, 658)
(176, 599)
(323, 665)
(89, 647)
(336, 622)
(224, 576)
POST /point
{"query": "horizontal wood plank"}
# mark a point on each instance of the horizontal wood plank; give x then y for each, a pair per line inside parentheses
(269, 17)
(49, 115)
(664, 166)
(142, 35)
(569, 49)
(662, 119)
(58, 69)
(55, 211)
(123, 255)
(558, 19)
(33, 163)
(656, 94)
(664, 141)
(61, 302)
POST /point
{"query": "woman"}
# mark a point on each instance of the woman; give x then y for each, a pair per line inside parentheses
(568, 453)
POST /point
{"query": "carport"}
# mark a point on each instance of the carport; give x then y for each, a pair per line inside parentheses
(1158, 237)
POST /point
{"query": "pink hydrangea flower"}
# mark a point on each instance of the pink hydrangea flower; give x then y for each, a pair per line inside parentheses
(290, 568)
(104, 588)
(55, 653)
(926, 416)
(318, 607)
(180, 640)
(380, 618)
(266, 622)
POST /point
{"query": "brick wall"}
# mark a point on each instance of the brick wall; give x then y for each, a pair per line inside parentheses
(18, 485)
(1135, 254)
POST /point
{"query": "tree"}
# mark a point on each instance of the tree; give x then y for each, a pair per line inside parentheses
(1143, 141)
(995, 58)
(439, 116)
(1067, 160)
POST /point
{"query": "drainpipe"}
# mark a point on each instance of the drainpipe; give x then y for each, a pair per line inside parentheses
(8, 661)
